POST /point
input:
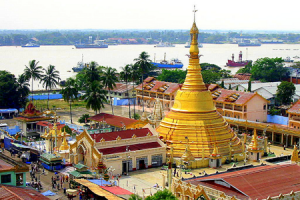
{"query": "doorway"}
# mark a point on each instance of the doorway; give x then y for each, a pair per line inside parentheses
(142, 164)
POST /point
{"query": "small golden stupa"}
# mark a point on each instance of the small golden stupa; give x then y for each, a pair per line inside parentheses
(295, 156)
(194, 115)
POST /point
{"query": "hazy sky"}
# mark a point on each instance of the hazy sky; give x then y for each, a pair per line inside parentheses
(149, 14)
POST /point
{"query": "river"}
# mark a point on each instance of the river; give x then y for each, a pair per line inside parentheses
(14, 59)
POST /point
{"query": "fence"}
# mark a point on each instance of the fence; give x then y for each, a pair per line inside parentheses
(123, 102)
(277, 119)
(45, 96)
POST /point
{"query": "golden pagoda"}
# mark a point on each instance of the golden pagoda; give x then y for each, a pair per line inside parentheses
(295, 156)
(194, 115)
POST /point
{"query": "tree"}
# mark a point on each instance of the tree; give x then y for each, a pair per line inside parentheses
(237, 88)
(50, 79)
(125, 75)
(210, 76)
(84, 118)
(134, 76)
(229, 87)
(269, 69)
(23, 90)
(174, 76)
(162, 195)
(95, 96)
(33, 72)
(66, 129)
(249, 86)
(209, 66)
(145, 66)
(109, 81)
(135, 197)
(246, 69)
(92, 73)
(9, 96)
(70, 93)
(222, 84)
(285, 92)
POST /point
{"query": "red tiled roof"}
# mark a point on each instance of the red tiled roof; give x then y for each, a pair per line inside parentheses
(116, 190)
(241, 76)
(134, 147)
(257, 182)
(50, 125)
(153, 85)
(121, 88)
(223, 95)
(18, 193)
(211, 87)
(126, 134)
(295, 109)
(113, 120)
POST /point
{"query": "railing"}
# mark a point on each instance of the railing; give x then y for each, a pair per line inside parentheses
(295, 118)
(230, 107)
(219, 105)
(238, 108)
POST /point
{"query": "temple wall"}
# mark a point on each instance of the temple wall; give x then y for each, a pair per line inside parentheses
(255, 109)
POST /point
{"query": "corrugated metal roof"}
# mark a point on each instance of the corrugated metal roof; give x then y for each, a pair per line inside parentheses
(19, 193)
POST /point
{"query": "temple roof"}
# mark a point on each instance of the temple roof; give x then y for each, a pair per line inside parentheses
(126, 134)
(133, 147)
(255, 183)
(153, 85)
(114, 120)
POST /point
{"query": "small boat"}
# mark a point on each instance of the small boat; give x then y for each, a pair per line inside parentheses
(288, 59)
(174, 63)
(240, 63)
(188, 45)
(30, 44)
(164, 44)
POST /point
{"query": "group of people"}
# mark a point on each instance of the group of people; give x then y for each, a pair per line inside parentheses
(35, 183)
(57, 182)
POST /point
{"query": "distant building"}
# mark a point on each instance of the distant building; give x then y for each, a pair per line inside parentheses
(240, 105)
(121, 93)
(233, 82)
(154, 89)
(294, 116)
(12, 172)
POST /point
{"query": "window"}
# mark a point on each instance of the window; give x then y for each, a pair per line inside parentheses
(6, 178)
(265, 107)
(120, 94)
(126, 94)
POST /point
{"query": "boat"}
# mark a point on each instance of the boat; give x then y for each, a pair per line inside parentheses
(30, 44)
(164, 44)
(80, 66)
(97, 44)
(272, 41)
(296, 57)
(240, 63)
(174, 63)
(188, 45)
(288, 59)
(249, 43)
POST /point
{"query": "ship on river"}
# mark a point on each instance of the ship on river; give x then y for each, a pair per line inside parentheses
(172, 64)
(239, 63)
(30, 44)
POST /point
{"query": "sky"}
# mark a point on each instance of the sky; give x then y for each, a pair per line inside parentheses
(150, 14)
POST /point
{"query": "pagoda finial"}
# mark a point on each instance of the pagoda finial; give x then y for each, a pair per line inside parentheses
(195, 13)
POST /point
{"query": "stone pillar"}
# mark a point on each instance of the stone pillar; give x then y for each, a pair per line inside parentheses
(292, 138)
(287, 140)
(282, 138)
(163, 181)
(272, 136)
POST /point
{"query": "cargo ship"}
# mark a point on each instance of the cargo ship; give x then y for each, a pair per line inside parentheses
(174, 63)
(239, 63)
(249, 43)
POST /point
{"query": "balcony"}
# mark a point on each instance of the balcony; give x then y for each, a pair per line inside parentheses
(237, 108)
(218, 105)
(229, 107)
(295, 118)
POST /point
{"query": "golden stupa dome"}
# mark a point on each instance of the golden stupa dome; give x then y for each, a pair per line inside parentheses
(194, 115)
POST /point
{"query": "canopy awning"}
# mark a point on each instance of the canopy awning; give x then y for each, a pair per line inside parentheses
(9, 110)
(97, 189)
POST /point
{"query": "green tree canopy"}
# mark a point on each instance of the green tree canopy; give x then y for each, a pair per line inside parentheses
(95, 96)
(269, 69)
(175, 76)
(33, 72)
(23, 90)
(11, 92)
(210, 76)
(162, 195)
(246, 69)
(84, 118)
(285, 92)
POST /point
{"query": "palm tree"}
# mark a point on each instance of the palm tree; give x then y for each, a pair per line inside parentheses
(125, 75)
(33, 72)
(23, 89)
(92, 73)
(144, 64)
(50, 79)
(109, 80)
(70, 93)
(134, 76)
(95, 96)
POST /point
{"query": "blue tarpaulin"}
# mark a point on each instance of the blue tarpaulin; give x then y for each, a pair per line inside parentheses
(100, 182)
(9, 110)
(48, 193)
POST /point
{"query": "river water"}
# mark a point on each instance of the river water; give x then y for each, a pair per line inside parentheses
(14, 59)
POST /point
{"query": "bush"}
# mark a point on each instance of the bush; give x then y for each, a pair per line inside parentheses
(136, 116)
(67, 129)
(84, 118)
